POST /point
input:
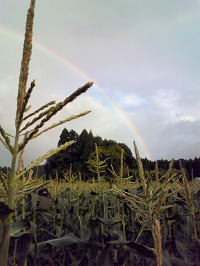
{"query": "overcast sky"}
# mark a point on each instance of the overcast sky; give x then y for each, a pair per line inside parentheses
(144, 59)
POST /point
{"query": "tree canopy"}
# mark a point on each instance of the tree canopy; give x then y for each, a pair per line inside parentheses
(76, 157)
(78, 154)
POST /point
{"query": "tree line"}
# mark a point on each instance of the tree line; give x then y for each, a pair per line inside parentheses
(76, 157)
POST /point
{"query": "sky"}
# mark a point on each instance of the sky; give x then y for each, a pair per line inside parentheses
(143, 57)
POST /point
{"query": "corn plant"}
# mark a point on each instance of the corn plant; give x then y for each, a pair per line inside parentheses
(69, 176)
(96, 165)
(187, 196)
(119, 178)
(85, 227)
(27, 127)
(150, 204)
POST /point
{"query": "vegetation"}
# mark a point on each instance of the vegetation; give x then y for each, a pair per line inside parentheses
(71, 222)
(115, 217)
(24, 133)
(82, 150)
(78, 154)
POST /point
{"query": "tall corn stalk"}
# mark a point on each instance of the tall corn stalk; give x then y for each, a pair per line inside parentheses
(188, 194)
(39, 117)
(150, 205)
(97, 166)
(120, 178)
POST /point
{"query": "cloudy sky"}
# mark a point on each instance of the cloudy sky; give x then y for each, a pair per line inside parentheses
(144, 59)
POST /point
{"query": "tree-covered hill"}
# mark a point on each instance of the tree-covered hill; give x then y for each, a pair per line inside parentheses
(77, 155)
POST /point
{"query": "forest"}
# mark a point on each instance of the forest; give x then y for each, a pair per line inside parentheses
(76, 158)
(78, 155)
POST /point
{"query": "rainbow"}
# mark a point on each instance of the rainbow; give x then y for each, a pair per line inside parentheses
(65, 62)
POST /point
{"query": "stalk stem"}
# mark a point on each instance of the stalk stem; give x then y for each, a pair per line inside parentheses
(11, 179)
(5, 240)
(11, 196)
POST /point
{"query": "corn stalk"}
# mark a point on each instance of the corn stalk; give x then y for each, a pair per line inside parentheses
(44, 114)
(97, 166)
(150, 205)
(119, 178)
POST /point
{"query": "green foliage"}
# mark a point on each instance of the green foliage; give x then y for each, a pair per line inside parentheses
(26, 131)
(62, 160)
(79, 153)
(145, 222)
(96, 165)
(83, 150)
(77, 225)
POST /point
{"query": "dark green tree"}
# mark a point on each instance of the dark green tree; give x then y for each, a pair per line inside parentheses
(189, 168)
(61, 161)
(85, 145)
(98, 141)
(196, 167)
(76, 156)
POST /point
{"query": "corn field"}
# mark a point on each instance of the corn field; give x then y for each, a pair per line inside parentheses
(150, 220)
(88, 223)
